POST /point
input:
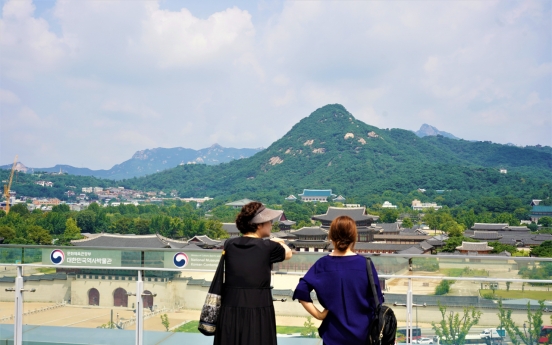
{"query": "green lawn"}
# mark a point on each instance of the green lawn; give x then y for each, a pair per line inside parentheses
(191, 327)
(46, 270)
(460, 272)
(289, 329)
(514, 294)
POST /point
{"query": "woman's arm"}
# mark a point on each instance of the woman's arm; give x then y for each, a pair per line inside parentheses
(289, 253)
(311, 309)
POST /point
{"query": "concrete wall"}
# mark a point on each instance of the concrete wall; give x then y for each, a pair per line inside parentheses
(54, 291)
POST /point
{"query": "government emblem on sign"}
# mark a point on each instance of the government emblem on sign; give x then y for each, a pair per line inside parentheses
(180, 260)
(57, 256)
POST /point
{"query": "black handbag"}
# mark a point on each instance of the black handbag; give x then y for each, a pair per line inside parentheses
(211, 307)
(383, 328)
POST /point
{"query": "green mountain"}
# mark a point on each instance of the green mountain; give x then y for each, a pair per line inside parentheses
(330, 149)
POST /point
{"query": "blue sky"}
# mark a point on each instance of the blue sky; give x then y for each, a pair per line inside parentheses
(89, 83)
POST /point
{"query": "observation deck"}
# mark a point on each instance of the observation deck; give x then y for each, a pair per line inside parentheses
(79, 295)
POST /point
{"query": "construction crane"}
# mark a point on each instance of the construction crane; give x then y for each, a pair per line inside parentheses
(8, 186)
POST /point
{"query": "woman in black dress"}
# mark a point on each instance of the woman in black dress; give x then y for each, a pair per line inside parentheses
(247, 313)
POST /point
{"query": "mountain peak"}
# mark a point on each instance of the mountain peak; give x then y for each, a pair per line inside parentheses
(428, 130)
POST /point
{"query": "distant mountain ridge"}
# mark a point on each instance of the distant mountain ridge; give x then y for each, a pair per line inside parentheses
(330, 149)
(427, 130)
(150, 161)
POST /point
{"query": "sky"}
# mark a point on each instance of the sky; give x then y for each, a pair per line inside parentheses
(89, 83)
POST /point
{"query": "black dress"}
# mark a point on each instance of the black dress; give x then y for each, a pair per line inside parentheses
(247, 312)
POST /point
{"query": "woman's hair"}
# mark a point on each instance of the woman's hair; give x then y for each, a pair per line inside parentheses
(247, 213)
(343, 232)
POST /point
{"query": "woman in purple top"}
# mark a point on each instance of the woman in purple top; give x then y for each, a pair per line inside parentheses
(341, 284)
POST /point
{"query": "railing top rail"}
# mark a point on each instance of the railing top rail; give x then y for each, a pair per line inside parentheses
(406, 256)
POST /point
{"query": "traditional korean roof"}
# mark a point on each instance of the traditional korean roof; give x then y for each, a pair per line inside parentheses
(50, 277)
(283, 234)
(241, 202)
(418, 238)
(518, 228)
(204, 239)
(339, 198)
(291, 198)
(380, 246)
(489, 226)
(287, 222)
(230, 228)
(368, 229)
(435, 242)
(198, 282)
(309, 244)
(474, 246)
(486, 235)
(441, 237)
(412, 250)
(388, 227)
(310, 231)
(317, 192)
(425, 245)
(542, 237)
(414, 232)
(356, 213)
(129, 241)
(542, 208)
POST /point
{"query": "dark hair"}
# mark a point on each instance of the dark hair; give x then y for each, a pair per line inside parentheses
(246, 215)
(343, 232)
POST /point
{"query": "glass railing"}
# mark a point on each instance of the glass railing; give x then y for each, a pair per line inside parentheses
(76, 295)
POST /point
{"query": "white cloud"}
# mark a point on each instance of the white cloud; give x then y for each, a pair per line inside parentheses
(26, 43)
(139, 76)
(8, 98)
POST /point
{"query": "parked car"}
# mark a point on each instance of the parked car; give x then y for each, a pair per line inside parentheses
(490, 333)
(424, 341)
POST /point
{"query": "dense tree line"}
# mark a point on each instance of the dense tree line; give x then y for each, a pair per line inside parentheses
(61, 225)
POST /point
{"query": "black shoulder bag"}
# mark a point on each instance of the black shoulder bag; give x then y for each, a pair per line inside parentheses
(383, 329)
(211, 307)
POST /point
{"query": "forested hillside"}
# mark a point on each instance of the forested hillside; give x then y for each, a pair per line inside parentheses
(331, 149)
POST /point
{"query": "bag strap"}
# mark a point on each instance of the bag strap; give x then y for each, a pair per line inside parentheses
(371, 282)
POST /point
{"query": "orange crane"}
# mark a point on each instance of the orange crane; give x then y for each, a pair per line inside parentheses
(8, 186)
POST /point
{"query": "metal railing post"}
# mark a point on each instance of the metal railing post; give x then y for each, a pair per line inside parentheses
(409, 313)
(18, 320)
(139, 309)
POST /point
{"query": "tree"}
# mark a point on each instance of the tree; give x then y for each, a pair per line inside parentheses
(407, 223)
(444, 287)
(72, 231)
(20, 209)
(453, 229)
(38, 235)
(529, 335)
(310, 329)
(453, 242)
(453, 328)
(86, 220)
(165, 321)
(389, 216)
(7, 232)
(543, 250)
(61, 208)
(544, 221)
